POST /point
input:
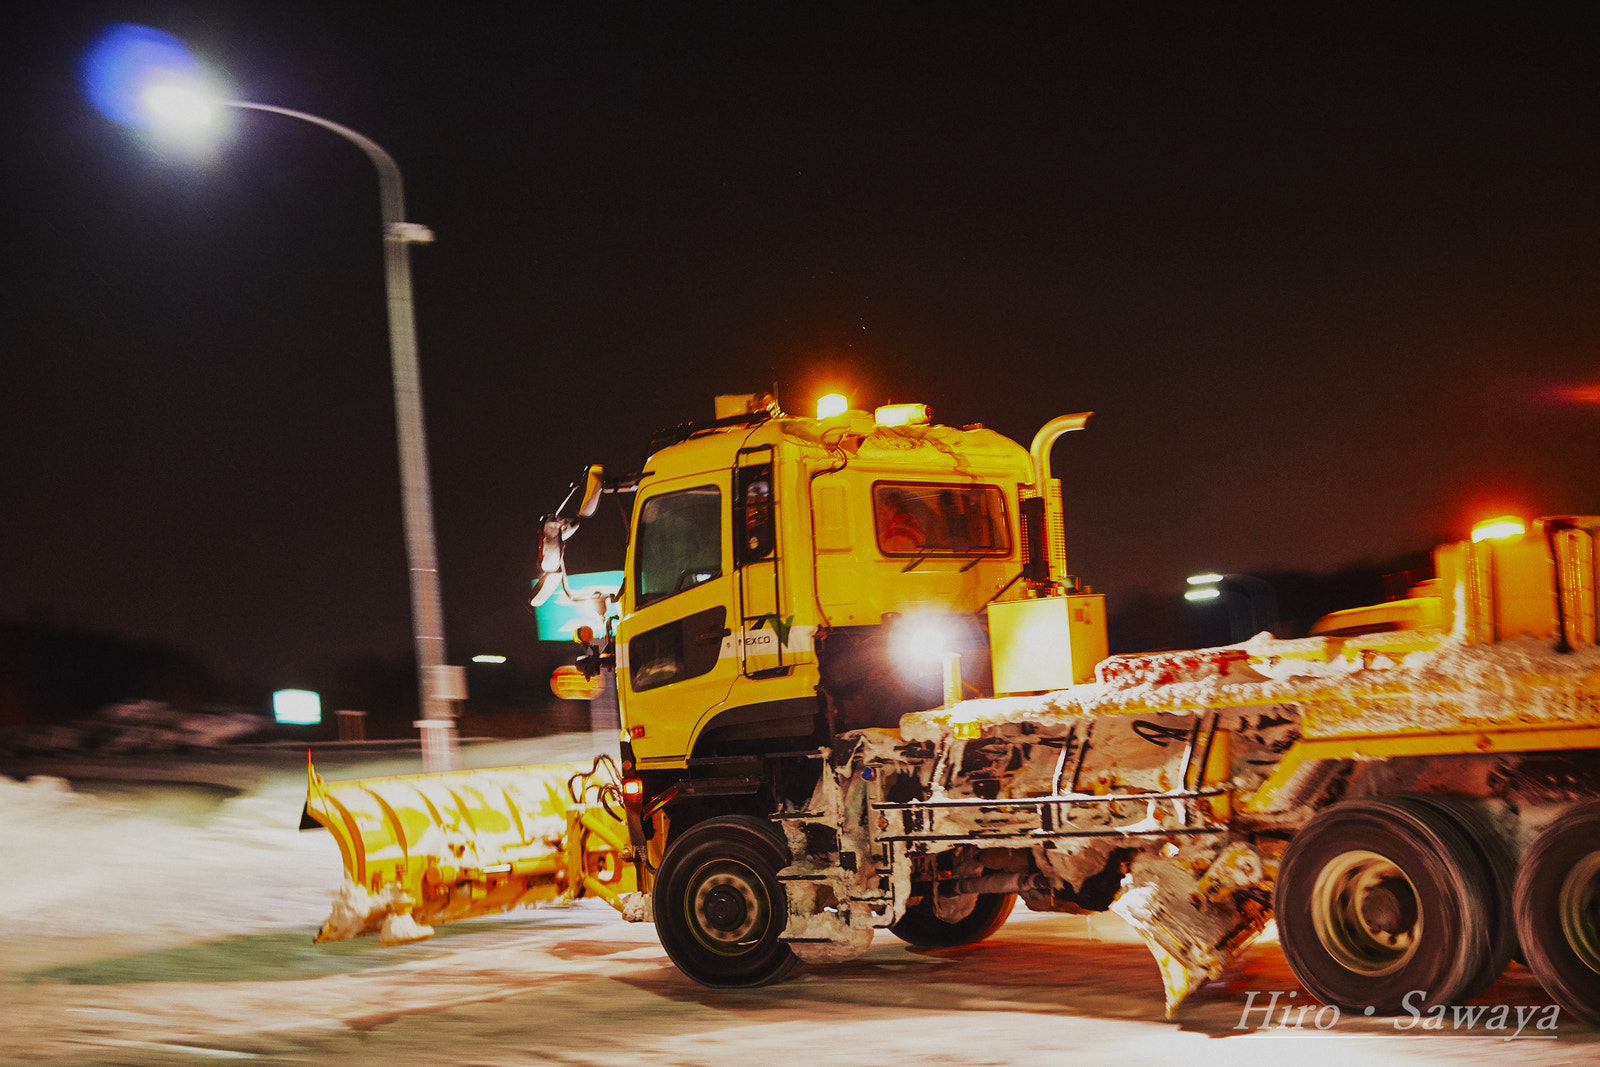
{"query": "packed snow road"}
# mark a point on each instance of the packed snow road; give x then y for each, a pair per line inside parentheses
(155, 923)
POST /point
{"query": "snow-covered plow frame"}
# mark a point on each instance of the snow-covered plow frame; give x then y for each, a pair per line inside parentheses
(919, 819)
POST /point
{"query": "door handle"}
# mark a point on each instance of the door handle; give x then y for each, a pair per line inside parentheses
(713, 637)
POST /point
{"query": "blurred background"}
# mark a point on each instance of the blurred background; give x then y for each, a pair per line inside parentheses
(1327, 277)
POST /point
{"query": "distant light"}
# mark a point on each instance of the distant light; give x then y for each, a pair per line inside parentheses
(299, 707)
(1205, 579)
(903, 415)
(831, 405)
(1579, 394)
(1502, 529)
(1209, 593)
(127, 63)
(488, 659)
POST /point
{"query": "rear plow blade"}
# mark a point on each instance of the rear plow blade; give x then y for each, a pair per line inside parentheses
(424, 849)
(1196, 911)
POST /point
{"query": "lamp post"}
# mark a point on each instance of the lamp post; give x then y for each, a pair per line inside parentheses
(147, 77)
(1263, 610)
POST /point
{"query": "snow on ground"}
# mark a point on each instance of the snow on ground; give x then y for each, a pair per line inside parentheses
(79, 870)
(161, 923)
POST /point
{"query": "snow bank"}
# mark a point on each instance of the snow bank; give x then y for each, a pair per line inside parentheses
(84, 876)
(141, 726)
(77, 870)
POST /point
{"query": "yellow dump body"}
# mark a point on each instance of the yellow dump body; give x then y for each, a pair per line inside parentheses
(442, 847)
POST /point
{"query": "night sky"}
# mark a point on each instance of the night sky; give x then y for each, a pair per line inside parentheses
(1327, 276)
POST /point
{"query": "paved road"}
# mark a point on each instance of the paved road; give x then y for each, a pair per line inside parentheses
(578, 986)
(145, 926)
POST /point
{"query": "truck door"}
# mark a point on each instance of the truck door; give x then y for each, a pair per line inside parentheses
(676, 658)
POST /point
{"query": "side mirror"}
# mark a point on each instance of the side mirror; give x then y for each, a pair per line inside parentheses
(552, 543)
(593, 477)
(563, 524)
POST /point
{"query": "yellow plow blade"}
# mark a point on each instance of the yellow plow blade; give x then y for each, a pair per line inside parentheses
(423, 849)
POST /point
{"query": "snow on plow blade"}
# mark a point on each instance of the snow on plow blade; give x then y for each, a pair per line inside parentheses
(423, 849)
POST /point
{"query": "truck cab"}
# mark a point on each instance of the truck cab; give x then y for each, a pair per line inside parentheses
(787, 578)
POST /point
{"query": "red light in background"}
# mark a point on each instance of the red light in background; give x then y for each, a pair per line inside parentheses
(1578, 394)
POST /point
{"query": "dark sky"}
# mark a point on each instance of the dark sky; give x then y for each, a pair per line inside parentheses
(1328, 276)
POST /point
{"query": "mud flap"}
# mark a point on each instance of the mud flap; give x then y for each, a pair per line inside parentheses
(825, 925)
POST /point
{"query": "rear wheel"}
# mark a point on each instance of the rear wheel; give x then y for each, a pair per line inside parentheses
(921, 927)
(719, 906)
(1500, 866)
(1378, 898)
(1558, 910)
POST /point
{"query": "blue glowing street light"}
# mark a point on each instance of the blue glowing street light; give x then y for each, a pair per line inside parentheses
(147, 79)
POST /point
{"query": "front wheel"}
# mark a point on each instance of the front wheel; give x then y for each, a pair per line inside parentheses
(919, 926)
(1558, 910)
(719, 906)
(1378, 900)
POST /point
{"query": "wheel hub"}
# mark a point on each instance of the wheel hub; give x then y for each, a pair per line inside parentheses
(728, 910)
(1580, 910)
(1366, 913)
(725, 908)
(1389, 907)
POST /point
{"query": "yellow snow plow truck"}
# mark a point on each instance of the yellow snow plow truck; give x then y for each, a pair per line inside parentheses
(859, 690)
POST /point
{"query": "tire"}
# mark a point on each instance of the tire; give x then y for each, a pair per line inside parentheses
(1379, 898)
(920, 927)
(1494, 856)
(1558, 910)
(719, 906)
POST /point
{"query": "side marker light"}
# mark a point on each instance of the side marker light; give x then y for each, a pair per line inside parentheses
(966, 728)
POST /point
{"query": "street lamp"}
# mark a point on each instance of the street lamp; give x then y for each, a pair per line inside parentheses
(144, 77)
(1263, 609)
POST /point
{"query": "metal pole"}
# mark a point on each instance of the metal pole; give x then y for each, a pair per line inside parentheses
(437, 683)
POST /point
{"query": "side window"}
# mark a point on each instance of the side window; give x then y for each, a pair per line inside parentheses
(680, 543)
(915, 519)
(752, 514)
(684, 648)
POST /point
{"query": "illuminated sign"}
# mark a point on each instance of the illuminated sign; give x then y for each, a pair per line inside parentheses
(298, 707)
(568, 683)
(560, 616)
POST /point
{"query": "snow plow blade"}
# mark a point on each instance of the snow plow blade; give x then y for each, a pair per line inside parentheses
(423, 849)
